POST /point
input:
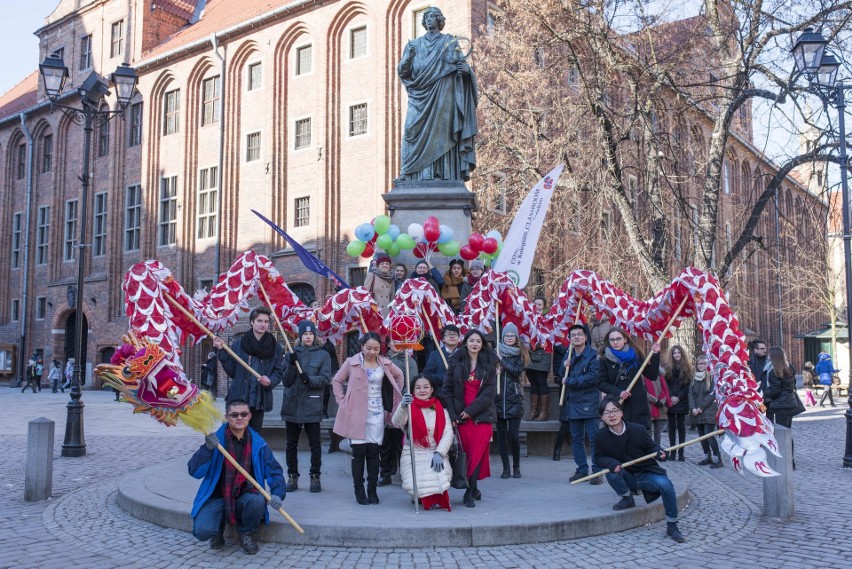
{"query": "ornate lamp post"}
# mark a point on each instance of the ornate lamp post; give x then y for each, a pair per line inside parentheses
(92, 92)
(820, 68)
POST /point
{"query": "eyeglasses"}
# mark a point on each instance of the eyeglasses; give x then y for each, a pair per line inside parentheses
(577, 335)
(763, 349)
(241, 415)
(610, 413)
(614, 340)
(475, 269)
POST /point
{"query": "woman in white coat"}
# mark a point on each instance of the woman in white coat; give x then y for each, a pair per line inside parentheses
(432, 434)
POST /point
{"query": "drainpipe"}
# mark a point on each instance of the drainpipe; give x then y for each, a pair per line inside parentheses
(780, 261)
(25, 265)
(220, 158)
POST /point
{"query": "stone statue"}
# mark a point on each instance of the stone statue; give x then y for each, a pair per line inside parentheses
(440, 126)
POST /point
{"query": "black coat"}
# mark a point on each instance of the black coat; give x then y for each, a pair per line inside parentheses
(681, 391)
(481, 410)
(303, 403)
(612, 450)
(435, 370)
(244, 382)
(780, 393)
(615, 377)
(581, 394)
(510, 401)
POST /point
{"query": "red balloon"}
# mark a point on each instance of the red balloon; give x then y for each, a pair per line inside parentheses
(431, 220)
(369, 250)
(475, 241)
(467, 253)
(431, 233)
(489, 246)
(420, 250)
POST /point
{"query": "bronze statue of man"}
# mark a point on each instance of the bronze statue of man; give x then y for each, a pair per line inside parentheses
(440, 126)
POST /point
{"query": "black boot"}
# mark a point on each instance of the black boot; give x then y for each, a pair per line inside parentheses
(516, 458)
(680, 457)
(707, 460)
(361, 495)
(293, 483)
(673, 532)
(373, 467)
(248, 544)
(506, 472)
(315, 483)
(372, 496)
(468, 498)
(557, 452)
(359, 456)
(625, 503)
(717, 462)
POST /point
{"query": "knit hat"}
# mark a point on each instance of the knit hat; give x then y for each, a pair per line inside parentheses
(307, 326)
(477, 264)
(383, 259)
(509, 329)
(458, 262)
(421, 262)
(824, 356)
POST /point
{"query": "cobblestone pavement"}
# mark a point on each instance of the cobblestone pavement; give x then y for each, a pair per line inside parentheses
(81, 526)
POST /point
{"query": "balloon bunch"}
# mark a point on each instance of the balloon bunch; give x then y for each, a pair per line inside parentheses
(379, 233)
(431, 237)
(486, 247)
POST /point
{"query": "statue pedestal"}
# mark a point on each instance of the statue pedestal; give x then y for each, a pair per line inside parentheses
(413, 201)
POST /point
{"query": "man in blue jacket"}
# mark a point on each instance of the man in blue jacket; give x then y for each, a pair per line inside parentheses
(225, 494)
(580, 410)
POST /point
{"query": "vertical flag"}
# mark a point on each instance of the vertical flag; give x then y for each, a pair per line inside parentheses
(311, 262)
(516, 256)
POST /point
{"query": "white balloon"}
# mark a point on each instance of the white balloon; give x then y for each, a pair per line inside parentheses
(494, 234)
(416, 231)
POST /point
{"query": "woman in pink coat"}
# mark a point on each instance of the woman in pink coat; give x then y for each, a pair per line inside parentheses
(374, 392)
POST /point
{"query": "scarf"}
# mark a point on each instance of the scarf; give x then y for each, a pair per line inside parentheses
(450, 290)
(418, 421)
(263, 348)
(386, 276)
(509, 350)
(626, 356)
(472, 281)
(234, 483)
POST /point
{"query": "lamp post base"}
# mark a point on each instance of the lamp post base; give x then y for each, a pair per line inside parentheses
(847, 458)
(75, 442)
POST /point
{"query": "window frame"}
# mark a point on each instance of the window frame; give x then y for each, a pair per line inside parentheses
(250, 82)
(17, 239)
(137, 118)
(99, 224)
(296, 134)
(210, 100)
(103, 136)
(42, 235)
(41, 307)
(208, 191)
(297, 64)
(351, 122)
(171, 112)
(302, 204)
(253, 153)
(116, 46)
(352, 32)
(22, 161)
(69, 231)
(132, 234)
(167, 212)
(85, 61)
(47, 153)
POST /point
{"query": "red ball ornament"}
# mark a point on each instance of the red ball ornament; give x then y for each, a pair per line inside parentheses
(406, 331)
(475, 241)
(467, 253)
(489, 246)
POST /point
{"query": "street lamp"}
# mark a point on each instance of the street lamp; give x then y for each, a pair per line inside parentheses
(92, 92)
(820, 68)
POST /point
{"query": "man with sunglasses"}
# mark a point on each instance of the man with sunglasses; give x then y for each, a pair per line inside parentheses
(619, 442)
(224, 494)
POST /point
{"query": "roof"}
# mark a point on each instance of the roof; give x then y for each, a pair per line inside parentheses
(181, 8)
(218, 15)
(20, 97)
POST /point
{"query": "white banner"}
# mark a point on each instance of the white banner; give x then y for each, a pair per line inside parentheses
(519, 246)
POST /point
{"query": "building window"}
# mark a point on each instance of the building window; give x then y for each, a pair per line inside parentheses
(41, 307)
(85, 52)
(132, 217)
(253, 146)
(303, 212)
(255, 76)
(358, 42)
(303, 60)
(726, 177)
(492, 18)
(17, 238)
(210, 101)
(304, 292)
(99, 229)
(417, 17)
(573, 76)
(303, 133)
(358, 119)
(496, 196)
(70, 238)
(22, 161)
(42, 234)
(171, 108)
(117, 43)
(135, 136)
(16, 310)
(357, 276)
(47, 153)
(208, 184)
(103, 138)
(168, 212)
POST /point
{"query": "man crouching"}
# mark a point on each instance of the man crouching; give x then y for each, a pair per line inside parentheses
(225, 494)
(619, 442)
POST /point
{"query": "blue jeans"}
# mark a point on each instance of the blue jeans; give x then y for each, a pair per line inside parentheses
(579, 429)
(624, 482)
(210, 520)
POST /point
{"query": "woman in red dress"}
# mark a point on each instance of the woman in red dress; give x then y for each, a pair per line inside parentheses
(469, 390)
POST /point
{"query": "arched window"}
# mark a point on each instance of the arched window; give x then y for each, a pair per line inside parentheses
(305, 292)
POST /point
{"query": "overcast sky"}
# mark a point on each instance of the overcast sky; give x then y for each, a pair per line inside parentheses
(18, 45)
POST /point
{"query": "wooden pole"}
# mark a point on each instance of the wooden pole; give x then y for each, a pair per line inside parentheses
(277, 321)
(212, 336)
(260, 488)
(651, 352)
(562, 393)
(434, 336)
(411, 437)
(652, 455)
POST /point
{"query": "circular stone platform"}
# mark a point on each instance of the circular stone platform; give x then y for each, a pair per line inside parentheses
(539, 507)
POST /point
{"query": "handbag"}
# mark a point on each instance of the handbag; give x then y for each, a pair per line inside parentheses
(458, 458)
(800, 407)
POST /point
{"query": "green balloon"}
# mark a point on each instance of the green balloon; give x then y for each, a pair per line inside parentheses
(355, 248)
(394, 249)
(450, 248)
(384, 241)
(405, 241)
(381, 224)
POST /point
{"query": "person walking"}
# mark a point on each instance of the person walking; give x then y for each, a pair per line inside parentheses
(809, 378)
(620, 360)
(39, 372)
(301, 407)
(432, 436)
(30, 375)
(374, 389)
(580, 410)
(678, 377)
(469, 392)
(510, 401)
(209, 373)
(702, 410)
(69, 374)
(54, 376)
(825, 371)
(258, 348)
